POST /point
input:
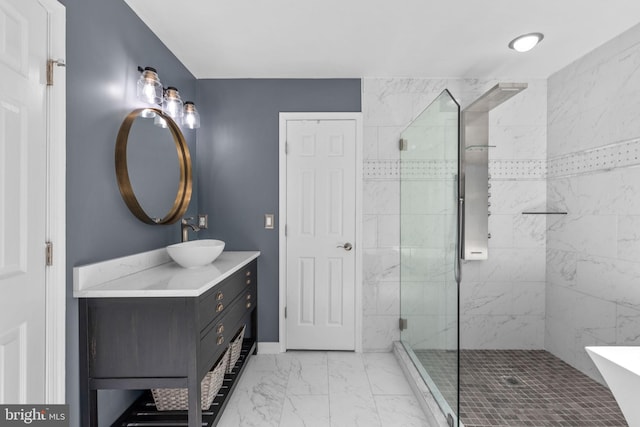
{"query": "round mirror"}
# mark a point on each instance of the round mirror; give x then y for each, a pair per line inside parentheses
(153, 167)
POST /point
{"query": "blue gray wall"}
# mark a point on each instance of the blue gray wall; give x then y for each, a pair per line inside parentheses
(238, 164)
(106, 42)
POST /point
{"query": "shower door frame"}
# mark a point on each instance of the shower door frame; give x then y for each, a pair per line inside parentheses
(458, 208)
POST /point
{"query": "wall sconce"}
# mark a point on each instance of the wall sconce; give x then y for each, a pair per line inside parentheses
(172, 104)
(149, 86)
(150, 91)
(191, 117)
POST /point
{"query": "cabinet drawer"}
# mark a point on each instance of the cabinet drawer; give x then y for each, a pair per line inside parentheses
(216, 302)
(244, 303)
(219, 334)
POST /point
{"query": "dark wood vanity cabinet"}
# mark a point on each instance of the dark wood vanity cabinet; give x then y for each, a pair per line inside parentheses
(164, 342)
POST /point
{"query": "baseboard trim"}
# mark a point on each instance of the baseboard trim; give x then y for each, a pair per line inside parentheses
(269, 348)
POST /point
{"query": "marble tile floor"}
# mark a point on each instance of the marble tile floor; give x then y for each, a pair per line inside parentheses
(323, 389)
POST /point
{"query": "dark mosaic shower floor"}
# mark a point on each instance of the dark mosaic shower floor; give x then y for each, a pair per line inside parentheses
(521, 388)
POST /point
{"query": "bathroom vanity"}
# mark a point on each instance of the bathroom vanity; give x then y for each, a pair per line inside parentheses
(147, 323)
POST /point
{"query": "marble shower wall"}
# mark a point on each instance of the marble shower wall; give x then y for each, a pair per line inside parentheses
(593, 253)
(502, 300)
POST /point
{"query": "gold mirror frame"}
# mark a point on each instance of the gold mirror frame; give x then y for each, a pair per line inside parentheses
(183, 197)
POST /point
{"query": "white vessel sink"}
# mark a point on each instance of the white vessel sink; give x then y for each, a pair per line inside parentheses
(196, 253)
(620, 368)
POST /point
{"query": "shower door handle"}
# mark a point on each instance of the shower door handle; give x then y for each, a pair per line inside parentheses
(459, 236)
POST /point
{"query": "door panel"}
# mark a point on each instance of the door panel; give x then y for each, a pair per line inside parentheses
(23, 57)
(321, 219)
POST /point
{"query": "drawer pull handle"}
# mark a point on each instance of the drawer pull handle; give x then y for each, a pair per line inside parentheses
(248, 296)
(220, 329)
(219, 296)
(248, 281)
(220, 340)
(248, 273)
(248, 305)
(219, 307)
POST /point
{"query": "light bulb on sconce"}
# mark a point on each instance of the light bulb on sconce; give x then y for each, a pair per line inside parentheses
(191, 117)
(160, 122)
(148, 113)
(149, 86)
(172, 104)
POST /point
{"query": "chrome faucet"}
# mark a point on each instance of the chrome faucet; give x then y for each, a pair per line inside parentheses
(186, 225)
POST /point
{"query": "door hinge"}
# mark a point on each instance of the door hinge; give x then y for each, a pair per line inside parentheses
(402, 324)
(285, 229)
(49, 254)
(50, 64)
(286, 148)
(403, 144)
(285, 312)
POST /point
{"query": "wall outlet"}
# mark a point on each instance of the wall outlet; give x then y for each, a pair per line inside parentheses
(203, 221)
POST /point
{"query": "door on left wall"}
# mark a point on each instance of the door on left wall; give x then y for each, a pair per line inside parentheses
(23, 191)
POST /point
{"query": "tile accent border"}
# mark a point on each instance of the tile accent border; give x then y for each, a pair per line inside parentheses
(381, 169)
(600, 159)
(446, 169)
(619, 154)
(518, 169)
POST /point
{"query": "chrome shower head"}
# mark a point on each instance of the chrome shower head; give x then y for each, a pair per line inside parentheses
(495, 96)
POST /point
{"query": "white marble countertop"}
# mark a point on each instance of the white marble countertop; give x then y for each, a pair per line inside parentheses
(154, 274)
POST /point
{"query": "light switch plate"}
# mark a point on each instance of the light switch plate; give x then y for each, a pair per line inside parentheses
(203, 221)
(269, 221)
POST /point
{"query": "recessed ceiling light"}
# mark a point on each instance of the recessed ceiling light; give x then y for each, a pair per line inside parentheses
(526, 42)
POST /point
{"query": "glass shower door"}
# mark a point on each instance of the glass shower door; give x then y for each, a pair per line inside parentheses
(428, 248)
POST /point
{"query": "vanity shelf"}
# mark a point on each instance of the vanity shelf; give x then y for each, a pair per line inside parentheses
(143, 411)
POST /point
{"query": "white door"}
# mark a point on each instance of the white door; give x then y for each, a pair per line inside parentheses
(320, 235)
(23, 151)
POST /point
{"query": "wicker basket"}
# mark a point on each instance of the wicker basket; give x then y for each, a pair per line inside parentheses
(235, 347)
(176, 399)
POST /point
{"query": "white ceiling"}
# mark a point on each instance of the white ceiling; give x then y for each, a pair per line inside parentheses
(381, 38)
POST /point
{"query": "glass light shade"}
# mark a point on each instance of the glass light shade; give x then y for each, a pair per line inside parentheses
(191, 117)
(160, 122)
(149, 86)
(526, 42)
(172, 104)
(148, 113)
